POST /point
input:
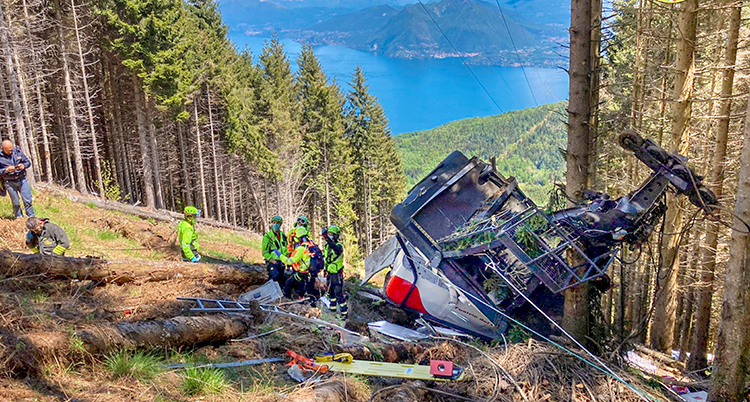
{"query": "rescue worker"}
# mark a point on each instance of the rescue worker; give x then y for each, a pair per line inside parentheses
(274, 240)
(187, 237)
(333, 256)
(46, 238)
(301, 222)
(300, 262)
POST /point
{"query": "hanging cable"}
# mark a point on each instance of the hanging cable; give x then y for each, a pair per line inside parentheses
(600, 365)
(539, 77)
(515, 49)
(461, 57)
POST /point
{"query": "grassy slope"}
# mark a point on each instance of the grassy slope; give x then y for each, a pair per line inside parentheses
(525, 143)
(91, 233)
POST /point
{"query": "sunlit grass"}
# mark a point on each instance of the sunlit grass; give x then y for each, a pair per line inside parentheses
(141, 366)
(203, 381)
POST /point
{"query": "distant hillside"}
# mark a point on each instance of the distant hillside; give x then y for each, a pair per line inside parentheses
(476, 28)
(525, 142)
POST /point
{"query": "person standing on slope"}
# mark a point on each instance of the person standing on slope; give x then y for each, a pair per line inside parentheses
(187, 237)
(273, 241)
(301, 222)
(46, 238)
(13, 165)
(333, 256)
(300, 262)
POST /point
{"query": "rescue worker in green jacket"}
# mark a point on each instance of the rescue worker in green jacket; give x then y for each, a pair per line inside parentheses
(301, 222)
(187, 237)
(274, 240)
(46, 238)
(300, 262)
(333, 257)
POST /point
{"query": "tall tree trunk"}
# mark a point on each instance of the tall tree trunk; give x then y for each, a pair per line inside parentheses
(699, 344)
(576, 308)
(158, 193)
(28, 122)
(72, 119)
(40, 100)
(89, 108)
(15, 92)
(218, 194)
(199, 147)
(148, 178)
(662, 328)
(187, 193)
(6, 110)
(732, 356)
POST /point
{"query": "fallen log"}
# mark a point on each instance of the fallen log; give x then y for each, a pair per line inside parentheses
(98, 270)
(662, 358)
(32, 350)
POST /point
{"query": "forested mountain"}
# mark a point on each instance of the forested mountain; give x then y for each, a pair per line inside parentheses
(526, 144)
(482, 31)
(148, 102)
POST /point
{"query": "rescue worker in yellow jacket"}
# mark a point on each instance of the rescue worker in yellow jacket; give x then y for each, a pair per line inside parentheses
(187, 237)
(274, 240)
(46, 238)
(333, 256)
(301, 222)
(299, 259)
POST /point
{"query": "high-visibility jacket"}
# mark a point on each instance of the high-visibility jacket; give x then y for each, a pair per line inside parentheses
(52, 240)
(300, 258)
(273, 241)
(290, 241)
(188, 239)
(333, 255)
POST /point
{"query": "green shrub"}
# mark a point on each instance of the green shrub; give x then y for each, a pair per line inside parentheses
(203, 381)
(141, 366)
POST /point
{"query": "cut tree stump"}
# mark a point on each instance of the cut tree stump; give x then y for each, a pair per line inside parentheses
(98, 270)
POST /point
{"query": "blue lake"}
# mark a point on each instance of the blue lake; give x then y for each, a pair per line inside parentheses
(422, 94)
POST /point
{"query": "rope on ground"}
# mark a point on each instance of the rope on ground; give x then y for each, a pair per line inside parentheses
(492, 360)
(599, 365)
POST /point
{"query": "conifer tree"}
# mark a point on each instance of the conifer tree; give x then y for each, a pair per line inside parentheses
(325, 149)
(378, 177)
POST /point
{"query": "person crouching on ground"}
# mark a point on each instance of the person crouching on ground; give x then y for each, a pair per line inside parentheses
(13, 165)
(273, 241)
(333, 256)
(300, 262)
(187, 237)
(46, 238)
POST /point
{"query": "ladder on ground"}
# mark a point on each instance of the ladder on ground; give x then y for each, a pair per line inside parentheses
(215, 305)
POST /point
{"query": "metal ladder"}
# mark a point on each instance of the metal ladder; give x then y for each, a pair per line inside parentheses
(214, 305)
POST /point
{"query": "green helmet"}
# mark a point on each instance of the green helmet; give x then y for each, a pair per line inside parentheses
(300, 232)
(302, 221)
(191, 210)
(277, 219)
(334, 230)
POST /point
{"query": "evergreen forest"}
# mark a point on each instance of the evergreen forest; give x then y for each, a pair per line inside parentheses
(148, 102)
(526, 144)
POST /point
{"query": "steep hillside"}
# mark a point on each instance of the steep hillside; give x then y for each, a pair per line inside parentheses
(525, 143)
(117, 236)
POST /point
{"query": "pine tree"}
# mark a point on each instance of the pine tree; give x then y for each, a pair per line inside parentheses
(325, 149)
(377, 175)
